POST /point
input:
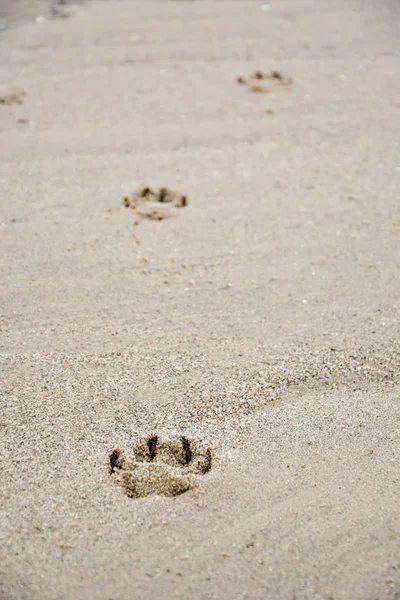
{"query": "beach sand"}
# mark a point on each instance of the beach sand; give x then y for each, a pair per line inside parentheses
(255, 330)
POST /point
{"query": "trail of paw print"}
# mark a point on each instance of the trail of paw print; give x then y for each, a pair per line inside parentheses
(275, 80)
(163, 467)
(154, 204)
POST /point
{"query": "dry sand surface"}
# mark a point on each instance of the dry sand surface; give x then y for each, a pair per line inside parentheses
(207, 405)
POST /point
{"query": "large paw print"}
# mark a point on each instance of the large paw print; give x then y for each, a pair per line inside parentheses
(164, 467)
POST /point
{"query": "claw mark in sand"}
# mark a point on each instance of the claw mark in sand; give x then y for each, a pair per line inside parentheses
(163, 467)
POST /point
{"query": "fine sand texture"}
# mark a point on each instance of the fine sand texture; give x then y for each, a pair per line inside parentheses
(200, 300)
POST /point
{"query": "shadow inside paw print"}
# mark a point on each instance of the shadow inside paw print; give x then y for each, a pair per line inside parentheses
(160, 466)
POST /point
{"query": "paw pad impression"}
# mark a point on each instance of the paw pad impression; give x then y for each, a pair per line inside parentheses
(154, 204)
(274, 80)
(163, 467)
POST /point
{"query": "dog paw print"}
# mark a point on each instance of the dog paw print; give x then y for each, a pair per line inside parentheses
(163, 467)
(13, 98)
(154, 204)
(260, 82)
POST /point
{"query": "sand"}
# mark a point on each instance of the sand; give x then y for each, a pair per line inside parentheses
(259, 323)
